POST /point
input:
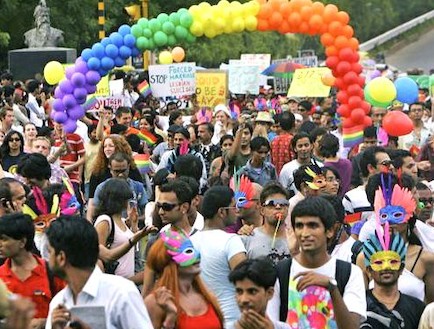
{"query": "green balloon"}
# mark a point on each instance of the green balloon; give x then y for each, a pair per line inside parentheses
(171, 40)
(160, 38)
(183, 11)
(142, 43)
(151, 45)
(143, 22)
(154, 25)
(168, 28)
(174, 18)
(191, 38)
(373, 102)
(137, 30)
(186, 20)
(163, 17)
(147, 33)
(181, 32)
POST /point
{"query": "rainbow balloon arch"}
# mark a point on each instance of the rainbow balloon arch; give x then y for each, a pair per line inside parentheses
(205, 20)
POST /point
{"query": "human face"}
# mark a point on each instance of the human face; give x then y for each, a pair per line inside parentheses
(332, 183)
(245, 137)
(18, 196)
(58, 128)
(144, 125)
(303, 148)
(250, 106)
(370, 141)
(316, 118)
(170, 139)
(204, 134)
(377, 115)
(119, 169)
(109, 147)
(311, 234)
(231, 214)
(425, 197)
(55, 262)
(259, 156)
(227, 144)
(9, 118)
(304, 112)
(15, 142)
(30, 131)
(41, 146)
(179, 139)
(179, 121)
(222, 117)
(409, 166)
(383, 161)
(293, 106)
(169, 208)
(251, 296)
(9, 247)
(387, 277)
(275, 209)
(416, 112)
(125, 119)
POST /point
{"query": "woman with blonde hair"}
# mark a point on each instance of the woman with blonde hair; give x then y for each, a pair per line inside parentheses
(30, 133)
(180, 299)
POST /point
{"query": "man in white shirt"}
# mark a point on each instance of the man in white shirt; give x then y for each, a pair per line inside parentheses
(73, 253)
(37, 113)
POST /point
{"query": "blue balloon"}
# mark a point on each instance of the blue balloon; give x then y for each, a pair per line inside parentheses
(86, 54)
(124, 30)
(124, 52)
(129, 40)
(98, 50)
(106, 41)
(107, 63)
(111, 51)
(117, 39)
(119, 62)
(94, 64)
(102, 72)
(407, 90)
(135, 52)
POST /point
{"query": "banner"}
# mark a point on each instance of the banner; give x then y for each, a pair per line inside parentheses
(211, 87)
(307, 83)
(281, 85)
(96, 104)
(102, 88)
(244, 78)
(261, 60)
(172, 80)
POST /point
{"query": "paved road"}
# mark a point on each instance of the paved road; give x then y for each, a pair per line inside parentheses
(418, 54)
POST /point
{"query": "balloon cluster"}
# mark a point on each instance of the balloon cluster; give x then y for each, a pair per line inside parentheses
(176, 55)
(53, 72)
(225, 17)
(165, 30)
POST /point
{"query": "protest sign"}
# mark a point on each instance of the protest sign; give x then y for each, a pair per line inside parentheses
(211, 87)
(243, 78)
(172, 80)
(281, 85)
(261, 60)
(98, 103)
(307, 83)
(102, 88)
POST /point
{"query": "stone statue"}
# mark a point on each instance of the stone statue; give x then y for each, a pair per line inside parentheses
(43, 35)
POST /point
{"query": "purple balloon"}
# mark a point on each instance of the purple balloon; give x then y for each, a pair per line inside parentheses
(92, 77)
(81, 66)
(58, 105)
(69, 101)
(70, 126)
(69, 71)
(58, 94)
(59, 117)
(90, 89)
(80, 93)
(77, 112)
(81, 101)
(66, 86)
(78, 79)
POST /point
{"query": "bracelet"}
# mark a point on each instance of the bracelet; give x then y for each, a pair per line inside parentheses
(131, 243)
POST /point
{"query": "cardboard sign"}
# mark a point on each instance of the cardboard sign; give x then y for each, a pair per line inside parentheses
(102, 88)
(97, 103)
(243, 78)
(307, 83)
(211, 87)
(176, 80)
(309, 61)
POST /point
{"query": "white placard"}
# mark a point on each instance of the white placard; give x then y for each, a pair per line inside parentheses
(176, 80)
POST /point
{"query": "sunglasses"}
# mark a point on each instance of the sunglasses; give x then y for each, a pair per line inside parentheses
(14, 140)
(170, 135)
(166, 206)
(276, 202)
(119, 171)
(426, 201)
(386, 163)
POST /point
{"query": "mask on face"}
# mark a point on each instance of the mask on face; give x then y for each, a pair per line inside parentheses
(180, 248)
(384, 252)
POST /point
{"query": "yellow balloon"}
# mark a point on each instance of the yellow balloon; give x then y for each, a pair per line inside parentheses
(196, 29)
(210, 33)
(224, 4)
(382, 90)
(251, 23)
(194, 10)
(228, 27)
(238, 25)
(204, 6)
(53, 72)
(165, 57)
(219, 24)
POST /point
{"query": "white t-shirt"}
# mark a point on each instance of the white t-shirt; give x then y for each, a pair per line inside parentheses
(354, 295)
(216, 248)
(343, 251)
(356, 201)
(286, 176)
(126, 262)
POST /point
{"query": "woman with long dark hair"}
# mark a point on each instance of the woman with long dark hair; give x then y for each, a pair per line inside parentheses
(11, 150)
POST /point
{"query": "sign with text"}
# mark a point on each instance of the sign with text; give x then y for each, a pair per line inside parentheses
(261, 60)
(175, 80)
(309, 61)
(102, 88)
(243, 78)
(281, 85)
(307, 83)
(211, 87)
(98, 103)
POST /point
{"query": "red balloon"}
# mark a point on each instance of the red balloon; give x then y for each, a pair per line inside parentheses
(354, 89)
(366, 107)
(346, 54)
(358, 116)
(339, 83)
(361, 81)
(342, 97)
(356, 68)
(367, 121)
(350, 78)
(348, 123)
(354, 102)
(343, 67)
(344, 111)
(397, 123)
(332, 61)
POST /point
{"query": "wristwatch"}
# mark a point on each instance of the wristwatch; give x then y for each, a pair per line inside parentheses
(333, 284)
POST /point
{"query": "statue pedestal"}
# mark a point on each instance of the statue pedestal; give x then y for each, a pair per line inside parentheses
(26, 63)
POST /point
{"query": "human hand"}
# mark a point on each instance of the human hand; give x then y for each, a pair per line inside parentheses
(21, 313)
(146, 230)
(246, 230)
(311, 279)
(165, 300)
(251, 319)
(76, 323)
(60, 317)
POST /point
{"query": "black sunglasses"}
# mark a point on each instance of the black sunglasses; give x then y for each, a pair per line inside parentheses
(276, 202)
(425, 201)
(166, 206)
(14, 140)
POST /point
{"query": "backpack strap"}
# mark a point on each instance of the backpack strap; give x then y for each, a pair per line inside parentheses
(111, 236)
(343, 272)
(356, 249)
(283, 269)
(50, 277)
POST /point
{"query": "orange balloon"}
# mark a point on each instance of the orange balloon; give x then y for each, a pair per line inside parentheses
(265, 11)
(330, 13)
(284, 27)
(304, 28)
(331, 51)
(327, 39)
(275, 4)
(275, 20)
(341, 42)
(353, 43)
(316, 22)
(318, 8)
(285, 9)
(294, 20)
(348, 31)
(263, 25)
(306, 13)
(178, 54)
(328, 79)
(343, 17)
(297, 4)
(335, 28)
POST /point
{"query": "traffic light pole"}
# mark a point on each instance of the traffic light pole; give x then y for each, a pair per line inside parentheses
(101, 19)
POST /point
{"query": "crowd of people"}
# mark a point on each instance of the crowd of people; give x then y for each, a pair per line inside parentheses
(251, 214)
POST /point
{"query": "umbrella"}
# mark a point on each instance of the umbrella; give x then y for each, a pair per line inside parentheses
(282, 70)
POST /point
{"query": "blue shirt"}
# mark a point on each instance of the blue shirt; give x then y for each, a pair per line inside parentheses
(139, 195)
(259, 175)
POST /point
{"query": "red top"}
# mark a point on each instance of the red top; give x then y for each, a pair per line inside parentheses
(76, 150)
(36, 286)
(208, 320)
(281, 151)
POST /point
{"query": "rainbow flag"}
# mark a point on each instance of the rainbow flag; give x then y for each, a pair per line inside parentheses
(352, 136)
(144, 135)
(90, 102)
(144, 88)
(143, 163)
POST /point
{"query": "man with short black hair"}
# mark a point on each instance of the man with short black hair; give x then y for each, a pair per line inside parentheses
(340, 283)
(12, 196)
(418, 137)
(281, 151)
(124, 116)
(73, 249)
(209, 151)
(37, 112)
